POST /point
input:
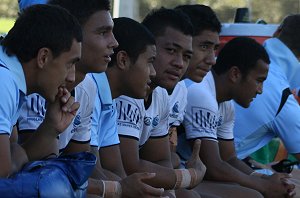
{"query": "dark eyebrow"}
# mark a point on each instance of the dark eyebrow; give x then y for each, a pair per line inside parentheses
(75, 60)
(104, 28)
(180, 47)
(209, 43)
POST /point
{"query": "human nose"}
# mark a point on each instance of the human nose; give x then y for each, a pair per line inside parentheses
(71, 74)
(178, 61)
(260, 88)
(113, 42)
(152, 71)
(211, 58)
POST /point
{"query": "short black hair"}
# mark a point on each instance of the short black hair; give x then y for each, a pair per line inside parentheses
(82, 9)
(133, 38)
(290, 31)
(202, 18)
(242, 52)
(41, 26)
(158, 20)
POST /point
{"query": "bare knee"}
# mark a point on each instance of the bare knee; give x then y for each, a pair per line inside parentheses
(184, 193)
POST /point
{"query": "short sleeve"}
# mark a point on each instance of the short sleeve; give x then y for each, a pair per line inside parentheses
(130, 116)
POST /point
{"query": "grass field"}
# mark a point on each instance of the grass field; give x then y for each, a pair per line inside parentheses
(6, 24)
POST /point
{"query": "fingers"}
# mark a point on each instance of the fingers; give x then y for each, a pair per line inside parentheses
(74, 107)
(65, 95)
(156, 192)
(196, 148)
(284, 175)
(288, 183)
(145, 176)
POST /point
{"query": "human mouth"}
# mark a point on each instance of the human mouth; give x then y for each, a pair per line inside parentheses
(108, 57)
(173, 75)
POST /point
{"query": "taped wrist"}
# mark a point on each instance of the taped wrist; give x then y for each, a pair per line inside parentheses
(185, 178)
(111, 189)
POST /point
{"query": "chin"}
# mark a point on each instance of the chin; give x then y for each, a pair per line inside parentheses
(50, 99)
(198, 79)
(169, 86)
(246, 105)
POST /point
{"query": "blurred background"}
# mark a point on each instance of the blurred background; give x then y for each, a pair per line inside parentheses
(270, 11)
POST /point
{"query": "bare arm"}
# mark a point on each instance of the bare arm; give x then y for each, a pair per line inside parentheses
(76, 147)
(58, 117)
(165, 177)
(157, 150)
(12, 156)
(110, 158)
(228, 154)
(5, 156)
(219, 170)
(99, 172)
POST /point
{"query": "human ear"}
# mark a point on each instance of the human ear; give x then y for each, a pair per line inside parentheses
(43, 57)
(235, 74)
(123, 61)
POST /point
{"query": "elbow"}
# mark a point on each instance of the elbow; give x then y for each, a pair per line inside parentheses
(5, 172)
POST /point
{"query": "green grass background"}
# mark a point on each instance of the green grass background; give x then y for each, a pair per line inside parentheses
(6, 24)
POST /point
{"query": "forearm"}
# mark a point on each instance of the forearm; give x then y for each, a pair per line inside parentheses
(227, 173)
(240, 165)
(99, 172)
(165, 177)
(164, 163)
(111, 160)
(42, 143)
(18, 157)
(95, 187)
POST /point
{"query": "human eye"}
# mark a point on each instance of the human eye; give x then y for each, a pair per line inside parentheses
(204, 47)
(170, 50)
(187, 57)
(151, 60)
(102, 33)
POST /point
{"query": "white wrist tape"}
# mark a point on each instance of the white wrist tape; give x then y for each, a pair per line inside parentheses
(111, 189)
(183, 178)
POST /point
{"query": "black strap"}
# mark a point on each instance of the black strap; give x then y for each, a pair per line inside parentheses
(285, 94)
(73, 92)
(3, 66)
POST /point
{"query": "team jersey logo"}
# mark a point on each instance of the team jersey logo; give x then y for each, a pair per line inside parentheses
(76, 123)
(204, 119)
(147, 121)
(175, 110)
(128, 114)
(155, 121)
(151, 121)
(36, 108)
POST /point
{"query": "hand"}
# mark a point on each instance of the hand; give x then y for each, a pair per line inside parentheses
(196, 163)
(133, 186)
(61, 112)
(279, 185)
(291, 187)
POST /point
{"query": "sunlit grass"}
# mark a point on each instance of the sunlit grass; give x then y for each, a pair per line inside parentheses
(6, 24)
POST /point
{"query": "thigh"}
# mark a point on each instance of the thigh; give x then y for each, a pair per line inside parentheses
(184, 193)
(226, 190)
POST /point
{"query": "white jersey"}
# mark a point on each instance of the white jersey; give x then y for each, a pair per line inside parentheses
(178, 101)
(204, 117)
(134, 120)
(34, 109)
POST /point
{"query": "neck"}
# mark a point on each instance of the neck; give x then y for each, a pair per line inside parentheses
(29, 78)
(221, 86)
(115, 83)
(79, 76)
